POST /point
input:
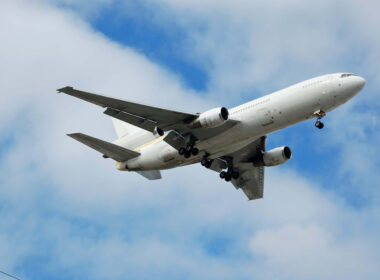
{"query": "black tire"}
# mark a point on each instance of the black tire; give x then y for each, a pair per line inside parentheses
(319, 124)
(182, 151)
(222, 174)
(204, 162)
(187, 154)
(228, 177)
(194, 151)
(235, 175)
(208, 164)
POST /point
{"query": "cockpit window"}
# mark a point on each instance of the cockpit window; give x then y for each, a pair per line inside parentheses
(347, 75)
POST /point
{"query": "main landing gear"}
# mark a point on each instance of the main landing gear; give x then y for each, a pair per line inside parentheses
(229, 174)
(206, 162)
(319, 115)
(188, 151)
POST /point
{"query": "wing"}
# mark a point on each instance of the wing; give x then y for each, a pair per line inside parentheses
(251, 178)
(148, 117)
(164, 117)
(107, 149)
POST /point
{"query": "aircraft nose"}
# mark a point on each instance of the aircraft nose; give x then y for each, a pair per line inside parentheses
(360, 82)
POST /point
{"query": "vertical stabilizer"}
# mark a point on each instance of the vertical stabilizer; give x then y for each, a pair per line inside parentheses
(122, 128)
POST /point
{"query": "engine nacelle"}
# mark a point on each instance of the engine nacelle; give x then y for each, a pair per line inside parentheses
(158, 131)
(212, 118)
(275, 157)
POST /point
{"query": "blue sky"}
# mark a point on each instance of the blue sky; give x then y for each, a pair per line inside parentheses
(67, 213)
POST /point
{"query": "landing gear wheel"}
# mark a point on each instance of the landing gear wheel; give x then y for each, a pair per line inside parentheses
(182, 151)
(206, 162)
(194, 151)
(228, 177)
(319, 124)
(235, 175)
(187, 154)
(222, 174)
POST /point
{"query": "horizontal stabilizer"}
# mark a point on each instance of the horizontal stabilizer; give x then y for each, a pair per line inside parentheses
(151, 174)
(110, 150)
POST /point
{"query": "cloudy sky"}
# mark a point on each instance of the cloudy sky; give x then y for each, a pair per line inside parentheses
(66, 213)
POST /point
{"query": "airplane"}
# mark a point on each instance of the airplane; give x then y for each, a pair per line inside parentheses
(231, 142)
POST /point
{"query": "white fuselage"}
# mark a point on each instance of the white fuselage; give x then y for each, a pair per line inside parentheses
(256, 118)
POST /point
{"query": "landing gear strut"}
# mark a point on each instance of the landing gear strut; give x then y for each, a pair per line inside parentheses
(319, 115)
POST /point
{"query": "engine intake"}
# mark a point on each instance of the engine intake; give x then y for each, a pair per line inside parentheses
(212, 118)
(274, 157)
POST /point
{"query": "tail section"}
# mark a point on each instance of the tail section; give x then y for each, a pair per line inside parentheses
(122, 128)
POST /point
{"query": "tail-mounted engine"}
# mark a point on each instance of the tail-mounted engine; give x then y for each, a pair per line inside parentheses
(274, 157)
(212, 118)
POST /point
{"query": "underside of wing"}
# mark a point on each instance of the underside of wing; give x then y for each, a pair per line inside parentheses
(107, 149)
(150, 118)
(163, 117)
(251, 178)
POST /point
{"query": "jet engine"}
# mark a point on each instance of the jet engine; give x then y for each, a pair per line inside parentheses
(211, 118)
(274, 157)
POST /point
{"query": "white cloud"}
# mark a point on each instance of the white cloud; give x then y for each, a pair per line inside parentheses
(313, 252)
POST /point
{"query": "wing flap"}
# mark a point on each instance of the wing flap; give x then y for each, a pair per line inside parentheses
(110, 150)
(143, 123)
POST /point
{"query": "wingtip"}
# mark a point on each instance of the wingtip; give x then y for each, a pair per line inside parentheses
(72, 135)
(65, 89)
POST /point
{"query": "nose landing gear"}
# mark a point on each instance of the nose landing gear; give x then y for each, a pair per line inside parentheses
(319, 114)
(319, 124)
